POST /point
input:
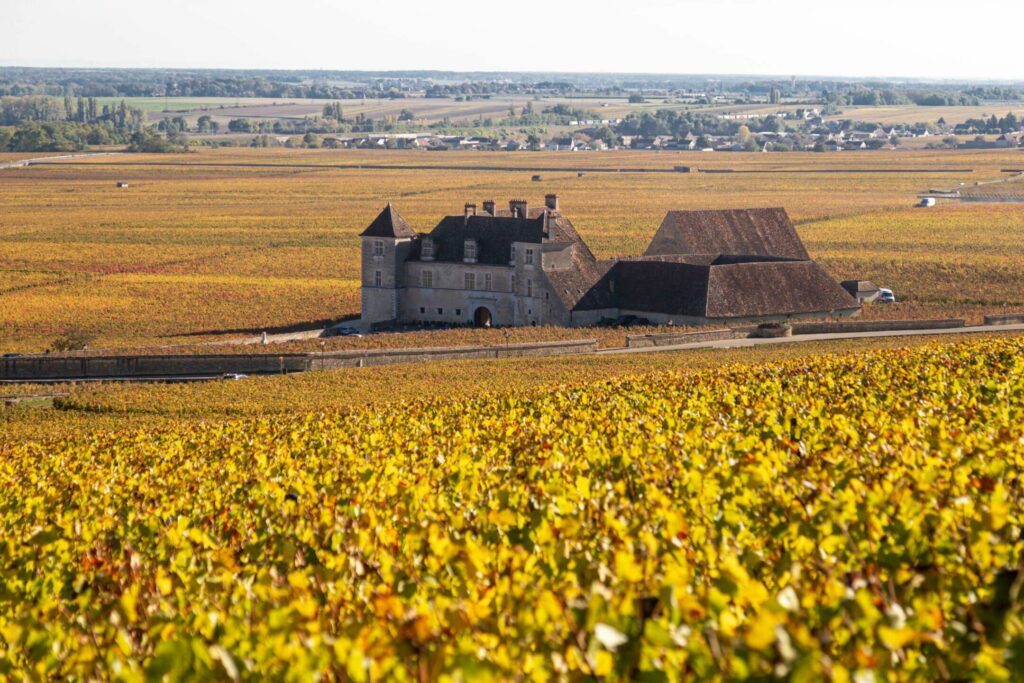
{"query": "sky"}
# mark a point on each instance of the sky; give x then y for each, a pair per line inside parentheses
(894, 38)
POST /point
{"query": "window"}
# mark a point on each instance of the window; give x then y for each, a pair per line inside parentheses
(440, 311)
(513, 288)
(470, 252)
(427, 250)
(377, 278)
(470, 281)
(529, 257)
(427, 277)
(487, 281)
(458, 311)
(423, 310)
(513, 257)
(529, 287)
(378, 247)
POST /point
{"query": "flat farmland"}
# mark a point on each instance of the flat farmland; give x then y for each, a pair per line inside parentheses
(425, 109)
(214, 244)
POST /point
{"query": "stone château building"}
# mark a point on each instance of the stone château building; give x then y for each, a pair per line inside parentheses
(528, 266)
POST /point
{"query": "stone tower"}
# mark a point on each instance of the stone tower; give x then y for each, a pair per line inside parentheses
(386, 244)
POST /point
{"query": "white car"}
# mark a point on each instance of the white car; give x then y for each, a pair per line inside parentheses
(885, 296)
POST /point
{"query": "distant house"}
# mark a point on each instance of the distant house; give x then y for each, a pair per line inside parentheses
(529, 266)
(1007, 140)
(862, 290)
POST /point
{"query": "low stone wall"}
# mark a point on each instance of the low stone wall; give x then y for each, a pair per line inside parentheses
(877, 326)
(1005, 319)
(369, 357)
(52, 368)
(640, 341)
(40, 368)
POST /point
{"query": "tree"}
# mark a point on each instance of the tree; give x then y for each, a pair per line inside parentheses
(606, 135)
(637, 98)
(149, 143)
(406, 115)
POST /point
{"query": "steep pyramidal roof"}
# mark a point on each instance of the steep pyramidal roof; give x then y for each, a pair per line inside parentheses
(752, 232)
(388, 224)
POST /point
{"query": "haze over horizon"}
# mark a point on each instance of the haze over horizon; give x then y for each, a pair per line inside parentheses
(915, 39)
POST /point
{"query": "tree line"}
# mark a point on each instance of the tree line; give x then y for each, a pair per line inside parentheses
(49, 124)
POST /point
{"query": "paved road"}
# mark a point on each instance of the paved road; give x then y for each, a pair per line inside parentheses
(739, 343)
(42, 160)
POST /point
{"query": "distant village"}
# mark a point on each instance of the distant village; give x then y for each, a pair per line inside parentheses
(800, 130)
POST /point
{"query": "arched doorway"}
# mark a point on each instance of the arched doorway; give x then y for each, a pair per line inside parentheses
(482, 317)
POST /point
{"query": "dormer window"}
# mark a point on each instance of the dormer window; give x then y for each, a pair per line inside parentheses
(427, 249)
(470, 251)
(512, 259)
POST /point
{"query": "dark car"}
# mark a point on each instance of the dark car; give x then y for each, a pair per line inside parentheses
(341, 330)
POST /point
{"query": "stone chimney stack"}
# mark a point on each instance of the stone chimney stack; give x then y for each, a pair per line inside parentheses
(551, 201)
(520, 208)
(470, 210)
(489, 206)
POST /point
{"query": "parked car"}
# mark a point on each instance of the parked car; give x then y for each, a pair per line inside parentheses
(341, 330)
(233, 376)
(885, 296)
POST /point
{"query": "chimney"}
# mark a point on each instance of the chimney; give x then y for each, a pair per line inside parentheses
(489, 206)
(520, 208)
(551, 201)
(470, 210)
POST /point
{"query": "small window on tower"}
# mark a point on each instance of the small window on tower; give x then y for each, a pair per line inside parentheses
(377, 278)
(378, 247)
(529, 257)
(529, 287)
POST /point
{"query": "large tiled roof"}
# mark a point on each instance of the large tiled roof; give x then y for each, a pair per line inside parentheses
(494, 236)
(721, 289)
(754, 232)
(388, 224)
(745, 290)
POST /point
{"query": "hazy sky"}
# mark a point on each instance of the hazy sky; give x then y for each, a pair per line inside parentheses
(802, 37)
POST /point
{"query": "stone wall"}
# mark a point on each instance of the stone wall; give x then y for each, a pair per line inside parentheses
(877, 326)
(48, 368)
(639, 341)
(1005, 319)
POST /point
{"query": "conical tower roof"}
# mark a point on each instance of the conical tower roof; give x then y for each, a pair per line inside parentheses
(388, 224)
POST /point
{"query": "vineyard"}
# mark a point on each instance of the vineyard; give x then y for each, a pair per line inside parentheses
(822, 517)
(225, 243)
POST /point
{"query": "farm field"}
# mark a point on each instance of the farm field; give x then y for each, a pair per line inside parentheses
(429, 110)
(824, 517)
(66, 411)
(224, 243)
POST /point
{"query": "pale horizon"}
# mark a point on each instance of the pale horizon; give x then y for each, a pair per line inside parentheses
(914, 40)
